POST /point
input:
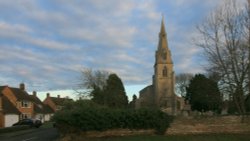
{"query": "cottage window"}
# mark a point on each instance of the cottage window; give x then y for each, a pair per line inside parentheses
(25, 116)
(25, 104)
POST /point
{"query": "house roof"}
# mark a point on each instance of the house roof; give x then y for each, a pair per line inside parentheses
(2, 87)
(35, 99)
(38, 109)
(39, 106)
(8, 107)
(20, 94)
(60, 101)
(47, 109)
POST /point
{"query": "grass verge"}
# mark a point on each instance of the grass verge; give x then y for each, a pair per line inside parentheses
(13, 129)
(210, 137)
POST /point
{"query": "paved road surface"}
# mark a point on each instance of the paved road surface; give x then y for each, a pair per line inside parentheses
(35, 134)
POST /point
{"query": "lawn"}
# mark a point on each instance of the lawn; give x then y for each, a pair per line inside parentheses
(213, 137)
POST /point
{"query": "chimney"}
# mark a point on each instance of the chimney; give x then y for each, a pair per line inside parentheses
(58, 96)
(48, 95)
(22, 86)
(34, 93)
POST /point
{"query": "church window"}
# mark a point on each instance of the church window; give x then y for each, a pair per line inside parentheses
(164, 56)
(165, 72)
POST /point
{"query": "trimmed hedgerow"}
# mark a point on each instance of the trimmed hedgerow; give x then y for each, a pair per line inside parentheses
(87, 116)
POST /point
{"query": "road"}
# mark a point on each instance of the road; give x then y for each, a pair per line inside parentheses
(35, 134)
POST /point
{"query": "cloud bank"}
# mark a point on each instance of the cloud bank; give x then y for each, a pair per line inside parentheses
(46, 43)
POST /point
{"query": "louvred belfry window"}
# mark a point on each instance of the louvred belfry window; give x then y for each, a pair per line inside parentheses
(165, 72)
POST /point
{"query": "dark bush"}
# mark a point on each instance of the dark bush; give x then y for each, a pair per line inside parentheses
(87, 116)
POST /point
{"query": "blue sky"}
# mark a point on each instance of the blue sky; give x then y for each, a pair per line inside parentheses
(46, 43)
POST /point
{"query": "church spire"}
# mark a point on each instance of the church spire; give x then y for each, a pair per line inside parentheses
(163, 43)
(162, 32)
(163, 54)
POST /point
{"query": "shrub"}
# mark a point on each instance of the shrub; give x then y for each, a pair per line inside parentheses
(87, 116)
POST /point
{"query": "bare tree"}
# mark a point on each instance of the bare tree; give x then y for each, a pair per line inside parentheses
(225, 47)
(91, 79)
(182, 81)
(247, 25)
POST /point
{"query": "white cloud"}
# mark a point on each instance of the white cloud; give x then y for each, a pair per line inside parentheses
(14, 28)
(49, 43)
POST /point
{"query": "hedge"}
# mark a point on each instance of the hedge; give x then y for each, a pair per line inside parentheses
(90, 117)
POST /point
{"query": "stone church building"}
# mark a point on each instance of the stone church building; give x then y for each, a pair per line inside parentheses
(161, 93)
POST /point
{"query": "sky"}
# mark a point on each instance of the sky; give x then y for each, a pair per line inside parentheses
(46, 43)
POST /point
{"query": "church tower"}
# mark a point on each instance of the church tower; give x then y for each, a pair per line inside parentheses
(161, 93)
(163, 79)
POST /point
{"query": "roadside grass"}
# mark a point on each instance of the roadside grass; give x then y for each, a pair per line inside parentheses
(18, 130)
(14, 129)
(209, 137)
(47, 125)
(23, 127)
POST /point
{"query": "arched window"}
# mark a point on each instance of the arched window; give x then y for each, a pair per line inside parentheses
(165, 72)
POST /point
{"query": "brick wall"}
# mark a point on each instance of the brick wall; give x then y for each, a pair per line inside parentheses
(8, 93)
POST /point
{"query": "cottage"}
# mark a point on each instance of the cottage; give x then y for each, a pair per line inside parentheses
(41, 111)
(9, 114)
(17, 104)
(56, 103)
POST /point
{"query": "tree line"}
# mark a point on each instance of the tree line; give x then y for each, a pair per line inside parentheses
(104, 88)
(106, 107)
(224, 36)
(225, 40)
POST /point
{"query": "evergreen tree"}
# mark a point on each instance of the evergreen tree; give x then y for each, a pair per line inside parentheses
(203, 94)
(132, 103)
(97, 95)
(115, 95)
(112, 95)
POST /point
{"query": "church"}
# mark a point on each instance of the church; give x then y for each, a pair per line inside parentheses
(161, 94)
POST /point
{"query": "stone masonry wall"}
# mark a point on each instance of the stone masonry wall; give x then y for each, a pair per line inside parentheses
(207, 125)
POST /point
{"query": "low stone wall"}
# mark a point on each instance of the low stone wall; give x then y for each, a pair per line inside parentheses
(110, 133)
(118, 132)
(208, 125)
